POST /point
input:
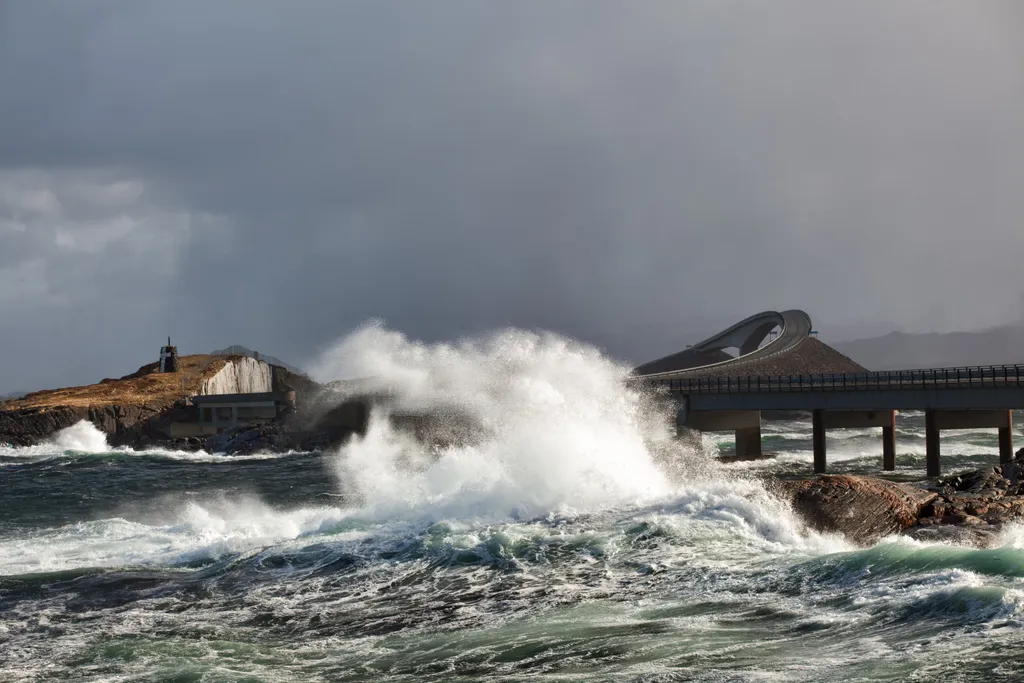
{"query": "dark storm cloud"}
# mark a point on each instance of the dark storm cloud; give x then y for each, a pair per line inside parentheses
(273, 174)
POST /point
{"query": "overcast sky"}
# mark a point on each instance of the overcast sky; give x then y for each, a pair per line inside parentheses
(275, 173)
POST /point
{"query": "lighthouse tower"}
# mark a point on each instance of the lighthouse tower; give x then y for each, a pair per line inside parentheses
(168, 357)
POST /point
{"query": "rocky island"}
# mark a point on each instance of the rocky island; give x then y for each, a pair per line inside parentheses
(154, 407)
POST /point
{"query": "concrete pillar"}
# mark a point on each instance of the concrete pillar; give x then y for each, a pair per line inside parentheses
(748, 441)
(1006, 439)
(931, 440)
(889, 443)
(818, 423)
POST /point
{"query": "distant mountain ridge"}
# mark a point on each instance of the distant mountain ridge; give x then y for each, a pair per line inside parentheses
(239, 350)
(1002, 345)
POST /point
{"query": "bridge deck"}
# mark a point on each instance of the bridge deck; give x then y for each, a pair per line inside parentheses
(989, 387)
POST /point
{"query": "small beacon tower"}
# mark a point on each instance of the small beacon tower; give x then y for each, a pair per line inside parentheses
(168, 357)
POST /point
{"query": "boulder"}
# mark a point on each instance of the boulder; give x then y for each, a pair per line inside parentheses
(864, 509)
(978, 535)
(273, 437)
(248, 439)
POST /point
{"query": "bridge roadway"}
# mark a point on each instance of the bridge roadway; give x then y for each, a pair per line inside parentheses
(748, 336)
(951, 398)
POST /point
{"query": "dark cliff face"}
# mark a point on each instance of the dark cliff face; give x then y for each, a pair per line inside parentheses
(124, 425)
(31, 426)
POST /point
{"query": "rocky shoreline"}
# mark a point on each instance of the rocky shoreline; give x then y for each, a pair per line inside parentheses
(271, 437)
(970, 507)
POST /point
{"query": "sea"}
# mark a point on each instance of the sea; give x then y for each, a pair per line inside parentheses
(571, 537)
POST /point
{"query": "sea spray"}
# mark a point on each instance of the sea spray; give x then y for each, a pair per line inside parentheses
(558, 430)
(557, 434)
(191, 531)
(82, 437)
(553, 540)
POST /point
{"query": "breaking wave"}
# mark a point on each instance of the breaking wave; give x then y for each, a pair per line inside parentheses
(82, 436)
(546, 429)
(514, 509)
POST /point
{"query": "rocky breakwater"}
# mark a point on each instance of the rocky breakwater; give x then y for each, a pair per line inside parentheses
(969, 507)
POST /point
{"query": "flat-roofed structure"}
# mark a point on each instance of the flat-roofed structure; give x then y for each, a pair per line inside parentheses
(218, 412)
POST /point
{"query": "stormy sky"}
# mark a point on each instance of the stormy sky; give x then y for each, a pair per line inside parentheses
(275, 173)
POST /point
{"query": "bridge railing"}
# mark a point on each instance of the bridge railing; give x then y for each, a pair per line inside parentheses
(938, 378)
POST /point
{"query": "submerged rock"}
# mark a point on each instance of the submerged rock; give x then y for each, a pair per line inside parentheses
(979, 534)
(864, 509)
(267, 438)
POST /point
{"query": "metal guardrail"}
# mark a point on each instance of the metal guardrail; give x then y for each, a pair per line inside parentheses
(994, 376)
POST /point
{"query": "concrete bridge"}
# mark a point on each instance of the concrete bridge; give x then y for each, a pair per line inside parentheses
(718, 396)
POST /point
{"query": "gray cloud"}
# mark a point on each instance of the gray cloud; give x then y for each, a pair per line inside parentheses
(274, 174)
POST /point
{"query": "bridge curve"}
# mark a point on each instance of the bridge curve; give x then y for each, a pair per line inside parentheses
(747, 335)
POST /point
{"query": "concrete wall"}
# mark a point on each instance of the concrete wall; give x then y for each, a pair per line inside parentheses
(239, 376)
(183, 430)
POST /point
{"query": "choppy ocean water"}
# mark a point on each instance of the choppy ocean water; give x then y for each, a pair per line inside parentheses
(575, 541)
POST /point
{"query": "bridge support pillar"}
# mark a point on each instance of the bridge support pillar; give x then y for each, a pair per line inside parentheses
(818, 425)
(1006, 440)
(748, 441)
(745, 424)
(823, 420)
(889, 443)
(931, 441)
(936, 420)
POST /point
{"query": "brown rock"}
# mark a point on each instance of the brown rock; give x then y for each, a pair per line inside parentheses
(981, 535)
(960, 519)
(863, 509)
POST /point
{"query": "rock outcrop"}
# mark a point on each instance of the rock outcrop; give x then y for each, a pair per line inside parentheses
(268, 438)
(239, 376)
(970, 507)
(29, 426)
(973, 506)
(863, 509)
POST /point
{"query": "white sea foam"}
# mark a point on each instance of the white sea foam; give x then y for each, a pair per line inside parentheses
(193, 531)
(557, 433)
(83, 437)
(557, 429)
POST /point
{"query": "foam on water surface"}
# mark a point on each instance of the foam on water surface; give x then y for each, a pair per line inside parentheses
(565, 532)
(555, 433)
